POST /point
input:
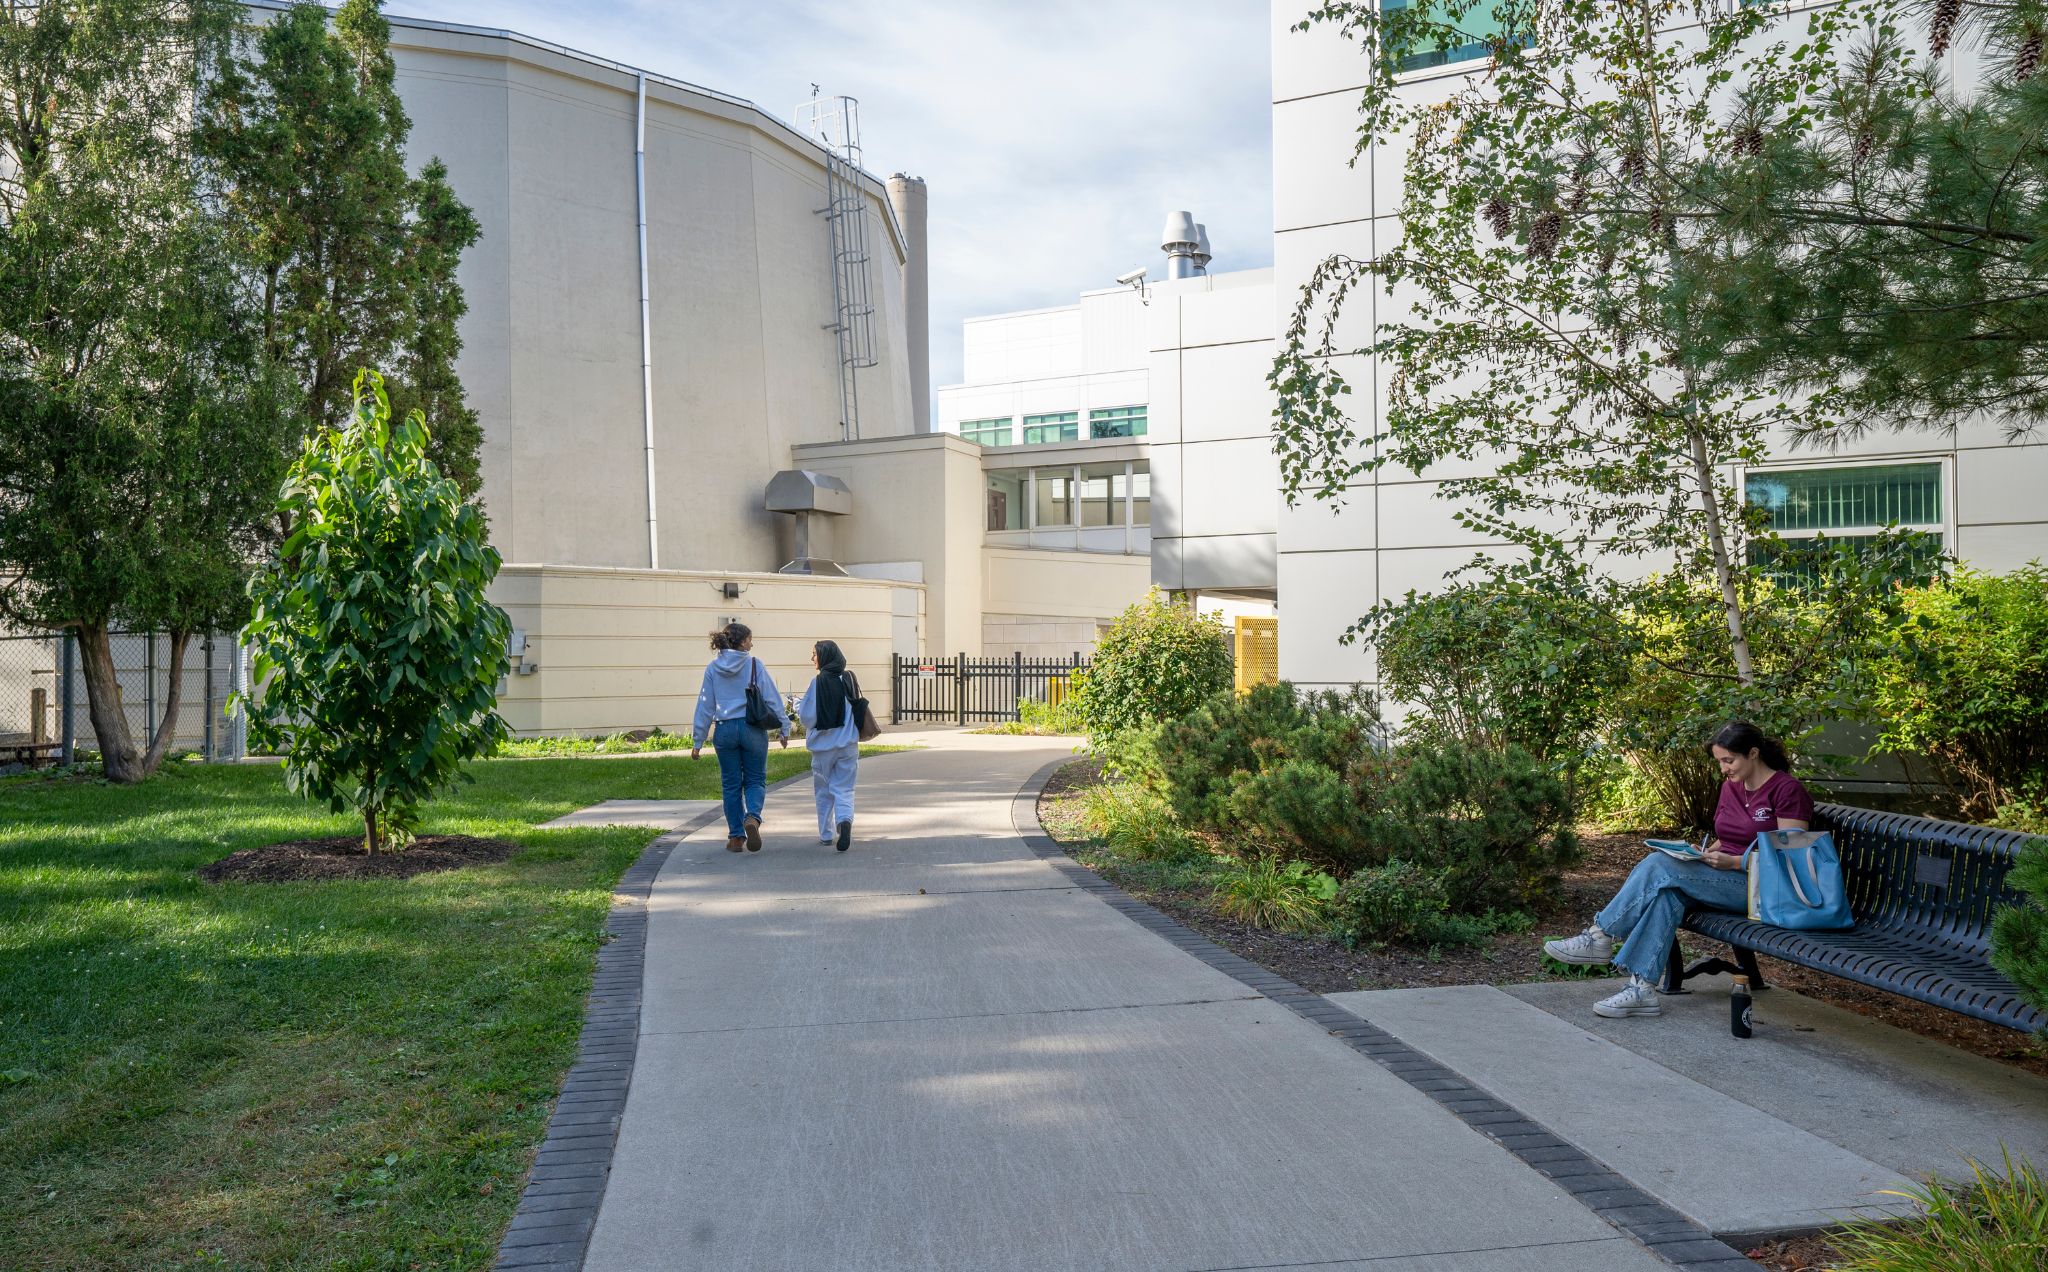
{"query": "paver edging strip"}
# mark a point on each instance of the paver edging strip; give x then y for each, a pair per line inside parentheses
(1670, 1236)
(583, 1128)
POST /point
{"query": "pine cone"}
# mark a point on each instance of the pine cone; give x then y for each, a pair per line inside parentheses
(1497, 215)
(1543, 235)
(1656, 221)
(1634, 165)
(1943, 26)
(1749, 140)
(2029, 57)
(1866, 142)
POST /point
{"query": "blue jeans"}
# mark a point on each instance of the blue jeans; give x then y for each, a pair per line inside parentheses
(742, 771)
(1652, 903)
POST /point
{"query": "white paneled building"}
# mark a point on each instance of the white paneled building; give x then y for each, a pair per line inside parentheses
(1190, 355)
(1981, 495)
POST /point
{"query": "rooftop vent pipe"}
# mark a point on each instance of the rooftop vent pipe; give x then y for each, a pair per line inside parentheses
(1201, 251)
(1180, 240)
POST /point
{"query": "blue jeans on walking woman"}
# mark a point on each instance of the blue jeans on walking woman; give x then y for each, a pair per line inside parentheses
(1650, 906)
(742, 771)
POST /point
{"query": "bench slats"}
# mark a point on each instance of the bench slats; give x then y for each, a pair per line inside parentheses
(1923, 892)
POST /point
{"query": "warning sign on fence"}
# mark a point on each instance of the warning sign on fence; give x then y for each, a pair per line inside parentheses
(927, 671)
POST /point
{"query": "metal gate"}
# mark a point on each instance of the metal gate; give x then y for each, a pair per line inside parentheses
(963, 690)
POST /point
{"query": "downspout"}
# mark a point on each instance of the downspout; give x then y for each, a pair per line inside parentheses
(646, 338)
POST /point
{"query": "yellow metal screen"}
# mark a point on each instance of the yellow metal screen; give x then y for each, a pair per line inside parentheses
(1258, 652)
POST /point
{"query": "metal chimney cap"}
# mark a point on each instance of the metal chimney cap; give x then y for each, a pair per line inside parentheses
(1202, 245)
(801, 490)
(1180, 231)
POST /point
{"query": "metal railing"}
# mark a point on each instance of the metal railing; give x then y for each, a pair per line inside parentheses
(963, 690)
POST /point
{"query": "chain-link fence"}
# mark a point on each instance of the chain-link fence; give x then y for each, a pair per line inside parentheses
(43, 715)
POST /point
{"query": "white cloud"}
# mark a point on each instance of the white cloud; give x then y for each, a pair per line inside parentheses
(1055, 136)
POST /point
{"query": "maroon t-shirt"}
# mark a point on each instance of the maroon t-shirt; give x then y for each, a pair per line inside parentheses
(1742, 813)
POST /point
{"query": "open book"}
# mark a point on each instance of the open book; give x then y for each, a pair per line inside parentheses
(1676, 848)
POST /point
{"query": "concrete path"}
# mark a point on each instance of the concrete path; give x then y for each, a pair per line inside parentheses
(1725, 1164)
(935, 1052)
(667, 814)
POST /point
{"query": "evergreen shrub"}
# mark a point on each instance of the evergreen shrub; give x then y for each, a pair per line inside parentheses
(1498, 824)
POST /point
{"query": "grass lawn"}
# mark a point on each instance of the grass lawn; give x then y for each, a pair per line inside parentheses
(334, 1075)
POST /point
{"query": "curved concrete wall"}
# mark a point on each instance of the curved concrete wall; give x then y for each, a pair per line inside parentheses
(539, 141)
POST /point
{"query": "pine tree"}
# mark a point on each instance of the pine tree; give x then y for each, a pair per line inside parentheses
(355, 258)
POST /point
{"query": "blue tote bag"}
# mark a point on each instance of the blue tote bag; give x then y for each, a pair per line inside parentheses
(1795, 881)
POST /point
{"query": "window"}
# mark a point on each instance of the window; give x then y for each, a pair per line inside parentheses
(1478, 28)
(1098, 508)
(1058, 426)
(1117, 421)
(992, 432)
(1055, 498)
(1846, 504)
(1006, 500)
(1071, 497)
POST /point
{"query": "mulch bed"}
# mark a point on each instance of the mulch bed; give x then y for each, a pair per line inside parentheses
(1795, 1254)
(1326, 967)
(342, 857)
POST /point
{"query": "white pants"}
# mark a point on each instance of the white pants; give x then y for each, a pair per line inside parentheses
(832, 772)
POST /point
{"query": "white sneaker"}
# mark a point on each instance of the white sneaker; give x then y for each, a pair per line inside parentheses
(1590, 948)
(828, 839)
(1638, 999)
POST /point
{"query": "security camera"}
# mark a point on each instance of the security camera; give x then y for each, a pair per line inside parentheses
(1131, 278)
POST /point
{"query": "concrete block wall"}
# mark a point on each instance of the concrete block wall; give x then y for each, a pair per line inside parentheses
(620, 649)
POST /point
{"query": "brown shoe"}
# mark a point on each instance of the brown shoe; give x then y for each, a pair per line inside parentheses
(735, 843)
(753, 825)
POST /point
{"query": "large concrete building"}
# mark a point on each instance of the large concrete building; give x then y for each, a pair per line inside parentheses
(740, 360)
(676, 296)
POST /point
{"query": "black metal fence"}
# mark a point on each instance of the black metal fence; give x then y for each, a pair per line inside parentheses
(43, 716)
(963, 690)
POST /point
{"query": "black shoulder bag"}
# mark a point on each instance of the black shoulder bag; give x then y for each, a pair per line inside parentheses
(759, 713)
(863, 718)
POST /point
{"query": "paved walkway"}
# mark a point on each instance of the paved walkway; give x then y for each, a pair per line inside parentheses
(945, 1051)
(935, 1052)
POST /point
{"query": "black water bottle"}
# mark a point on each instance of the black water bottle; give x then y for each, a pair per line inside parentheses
(1738, 1008)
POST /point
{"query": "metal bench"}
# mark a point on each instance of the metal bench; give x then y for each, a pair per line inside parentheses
(1922, 891)
(21, 750)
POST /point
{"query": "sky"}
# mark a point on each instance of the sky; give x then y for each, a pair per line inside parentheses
(1054, 135)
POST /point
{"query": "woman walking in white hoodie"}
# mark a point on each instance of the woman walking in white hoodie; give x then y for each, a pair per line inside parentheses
(832, 732)
(741, 743)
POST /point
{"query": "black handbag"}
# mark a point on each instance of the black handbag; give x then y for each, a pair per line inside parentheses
(759, 713)
(863, 717)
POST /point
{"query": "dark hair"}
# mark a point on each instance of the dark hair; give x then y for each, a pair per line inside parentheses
(731, 636)
(1742, 737)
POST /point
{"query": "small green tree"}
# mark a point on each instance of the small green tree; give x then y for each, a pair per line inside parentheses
(376, 654)
(1158, 661)
(1500, 664)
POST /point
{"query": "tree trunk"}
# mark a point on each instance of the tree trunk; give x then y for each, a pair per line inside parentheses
(1724, 569)
(167, 728)
(370, 844)
(103, 705)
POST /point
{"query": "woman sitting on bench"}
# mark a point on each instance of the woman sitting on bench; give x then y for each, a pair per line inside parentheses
(1756, 795)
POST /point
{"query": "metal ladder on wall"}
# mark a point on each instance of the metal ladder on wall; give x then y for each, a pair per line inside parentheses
(834, 123)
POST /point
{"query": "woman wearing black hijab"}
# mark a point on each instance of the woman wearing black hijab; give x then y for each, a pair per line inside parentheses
(832, 733)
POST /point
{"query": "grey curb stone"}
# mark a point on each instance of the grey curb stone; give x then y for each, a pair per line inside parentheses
(1662, 1231)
